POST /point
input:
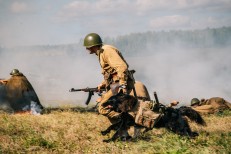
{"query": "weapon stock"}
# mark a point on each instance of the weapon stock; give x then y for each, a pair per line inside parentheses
(90, 92)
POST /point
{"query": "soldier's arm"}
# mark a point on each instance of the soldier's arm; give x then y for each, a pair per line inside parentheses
(102, 85)
(116, 62)
(3, 81)
(204, 107)
(173, 103)
(202, 111)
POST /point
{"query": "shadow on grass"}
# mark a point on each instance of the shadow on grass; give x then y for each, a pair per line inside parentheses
(71, 109)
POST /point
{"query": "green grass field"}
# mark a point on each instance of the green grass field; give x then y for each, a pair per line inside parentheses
(79, 132)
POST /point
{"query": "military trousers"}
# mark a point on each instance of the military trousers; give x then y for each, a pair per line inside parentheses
(106, 111)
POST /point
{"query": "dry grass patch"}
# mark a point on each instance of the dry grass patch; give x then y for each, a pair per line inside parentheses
(79, 132)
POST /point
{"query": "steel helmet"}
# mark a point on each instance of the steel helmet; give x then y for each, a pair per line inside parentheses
(15, 72)
(91, 40)
(195, 101)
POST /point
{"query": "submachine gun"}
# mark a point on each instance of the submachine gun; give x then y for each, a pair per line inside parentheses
(90, 91)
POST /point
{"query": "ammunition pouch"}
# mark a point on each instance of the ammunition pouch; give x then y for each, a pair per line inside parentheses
(145, 116)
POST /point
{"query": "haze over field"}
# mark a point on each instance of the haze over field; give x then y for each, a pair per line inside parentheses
(175, 73)
(182, 74)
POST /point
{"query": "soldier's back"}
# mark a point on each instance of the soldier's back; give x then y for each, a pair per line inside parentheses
(141, 91)
(218, 103)
(213, 105)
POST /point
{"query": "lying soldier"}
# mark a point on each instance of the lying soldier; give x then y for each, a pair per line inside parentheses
(210, 106)
(149, 115)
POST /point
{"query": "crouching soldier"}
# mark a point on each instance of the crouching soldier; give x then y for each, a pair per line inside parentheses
(114, 69)
(210, 106)
(20, 94)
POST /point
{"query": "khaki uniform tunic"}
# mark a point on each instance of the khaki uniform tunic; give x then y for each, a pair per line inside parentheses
(114, 69)
(212, 105)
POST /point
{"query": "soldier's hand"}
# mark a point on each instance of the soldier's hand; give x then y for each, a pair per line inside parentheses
(99, 99)
(3, 81)
(174, 103)
(100, 86)
(123, 89)
(109, 107)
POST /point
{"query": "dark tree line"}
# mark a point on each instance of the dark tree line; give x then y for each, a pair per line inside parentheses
(206, 38)
(140, 42)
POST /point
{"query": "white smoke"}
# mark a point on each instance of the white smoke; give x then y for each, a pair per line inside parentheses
(53, 73)
(182, 74)
(174, 73)
(35, 108)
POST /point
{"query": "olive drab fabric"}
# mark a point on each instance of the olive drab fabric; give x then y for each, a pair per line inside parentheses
(20, 93)
(141, 91)
(114, 69)
(212, 105)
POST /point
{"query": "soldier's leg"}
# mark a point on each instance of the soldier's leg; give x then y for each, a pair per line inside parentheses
(106, 111)
(112, 115)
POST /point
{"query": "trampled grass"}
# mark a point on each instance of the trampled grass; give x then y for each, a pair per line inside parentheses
(69, 131)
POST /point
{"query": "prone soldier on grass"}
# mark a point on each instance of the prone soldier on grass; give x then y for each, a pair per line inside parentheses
(211, 105)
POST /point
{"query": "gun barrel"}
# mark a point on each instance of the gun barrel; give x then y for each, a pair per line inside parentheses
(90, 91)
(156, 98)
(85, 90)
(73, 89)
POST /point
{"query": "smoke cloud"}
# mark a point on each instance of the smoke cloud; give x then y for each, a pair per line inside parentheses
(52, 73)
(174, 73)
(182, 74)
